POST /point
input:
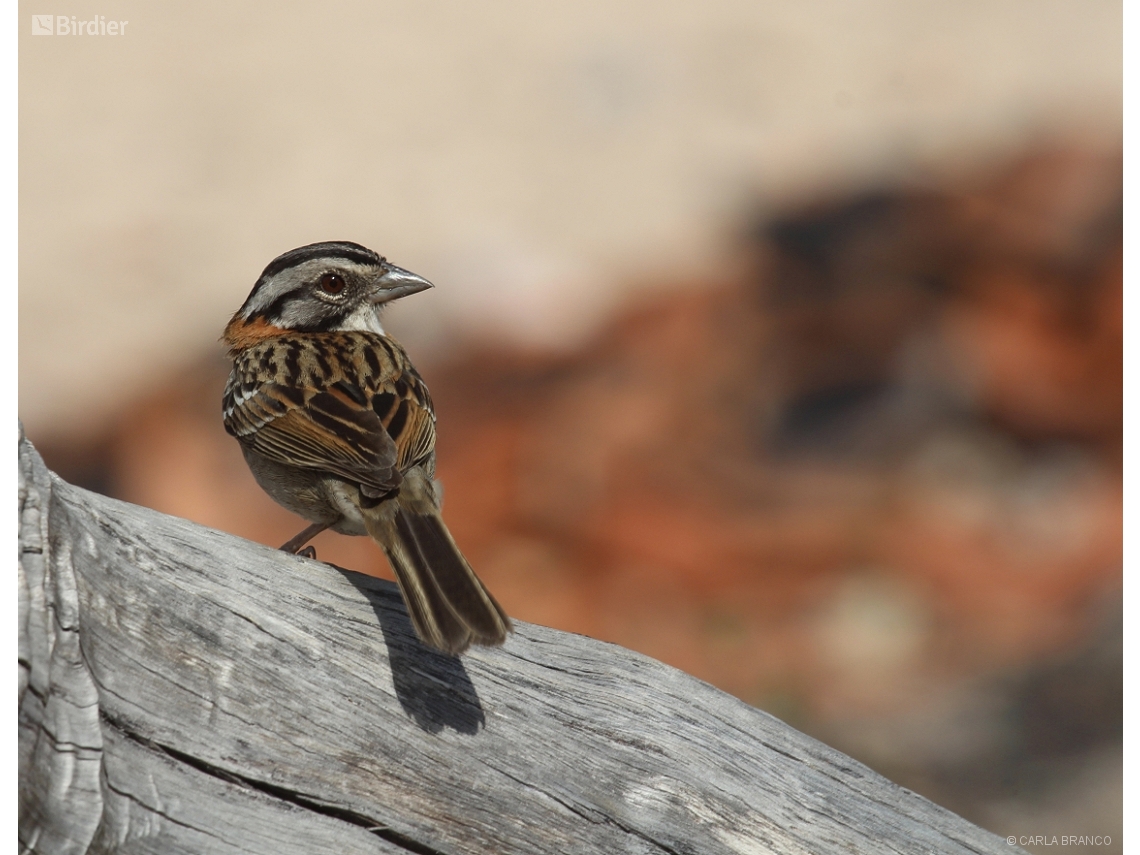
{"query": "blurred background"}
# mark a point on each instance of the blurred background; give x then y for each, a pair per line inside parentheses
(780, 342)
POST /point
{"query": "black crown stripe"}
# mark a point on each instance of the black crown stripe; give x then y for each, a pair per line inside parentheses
(327, 249)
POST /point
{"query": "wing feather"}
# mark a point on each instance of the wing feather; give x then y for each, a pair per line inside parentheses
(366, 416)
(319, 432)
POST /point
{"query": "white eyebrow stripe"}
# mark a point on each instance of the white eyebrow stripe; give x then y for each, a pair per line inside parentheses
(292, 279)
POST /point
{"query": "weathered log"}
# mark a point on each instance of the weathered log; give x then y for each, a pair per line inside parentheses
(186, 691)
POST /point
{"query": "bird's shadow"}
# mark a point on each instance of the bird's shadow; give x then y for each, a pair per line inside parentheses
(432, 687)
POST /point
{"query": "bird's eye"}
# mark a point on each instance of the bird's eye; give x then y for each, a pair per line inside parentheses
(332, 283)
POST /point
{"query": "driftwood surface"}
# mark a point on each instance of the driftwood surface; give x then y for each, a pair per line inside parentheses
(186, 691)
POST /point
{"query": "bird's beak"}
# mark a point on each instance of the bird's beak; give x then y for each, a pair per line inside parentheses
(397, 283)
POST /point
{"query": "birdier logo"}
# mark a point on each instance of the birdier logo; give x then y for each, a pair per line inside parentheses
(62, 25)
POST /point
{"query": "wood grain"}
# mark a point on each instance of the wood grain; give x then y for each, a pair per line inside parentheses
(186, 691)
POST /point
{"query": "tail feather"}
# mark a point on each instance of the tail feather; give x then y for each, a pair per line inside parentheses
(461, 588)
(449, 606)
(435, 623)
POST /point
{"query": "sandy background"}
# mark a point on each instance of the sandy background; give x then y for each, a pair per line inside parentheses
(537, 161)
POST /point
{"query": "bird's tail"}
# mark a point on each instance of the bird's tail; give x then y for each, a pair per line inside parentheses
(450, 608)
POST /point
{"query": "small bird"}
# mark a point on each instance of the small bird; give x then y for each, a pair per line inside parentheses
(338, 427)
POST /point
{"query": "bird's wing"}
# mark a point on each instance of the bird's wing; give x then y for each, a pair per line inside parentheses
(405, 409)
(358, 409)
(325, 429)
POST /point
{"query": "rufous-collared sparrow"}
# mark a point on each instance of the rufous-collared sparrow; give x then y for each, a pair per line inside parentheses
(338, 427)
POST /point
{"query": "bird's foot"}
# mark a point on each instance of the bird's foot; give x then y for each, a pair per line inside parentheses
(294, 545)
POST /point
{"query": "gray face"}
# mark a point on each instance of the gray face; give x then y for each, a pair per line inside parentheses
(317, 293)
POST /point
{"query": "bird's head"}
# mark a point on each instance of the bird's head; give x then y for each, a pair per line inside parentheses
(335, 285)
